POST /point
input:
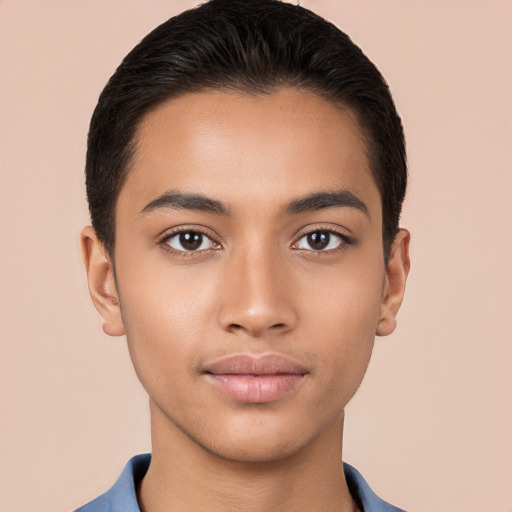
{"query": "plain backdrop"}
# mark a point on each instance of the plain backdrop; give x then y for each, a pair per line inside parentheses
(431, 426)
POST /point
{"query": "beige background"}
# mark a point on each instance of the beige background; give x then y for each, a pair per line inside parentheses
(431, 427)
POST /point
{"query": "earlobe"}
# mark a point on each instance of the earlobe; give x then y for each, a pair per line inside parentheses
(394, 283)
(101, 282)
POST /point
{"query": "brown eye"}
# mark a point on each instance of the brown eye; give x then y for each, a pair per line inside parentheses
(320, 240)
(191, 241)
(188, 241)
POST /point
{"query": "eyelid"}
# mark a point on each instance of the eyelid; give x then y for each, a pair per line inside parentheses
(183, 228)
(171, 232)
(346, 239)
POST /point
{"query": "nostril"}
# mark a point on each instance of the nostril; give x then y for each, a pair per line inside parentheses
(239, 327)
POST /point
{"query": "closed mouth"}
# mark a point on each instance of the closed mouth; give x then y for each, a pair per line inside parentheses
(255, 379)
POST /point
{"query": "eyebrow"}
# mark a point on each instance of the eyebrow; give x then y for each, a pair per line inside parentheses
(324, 200)
(181, 201)
(314, 202)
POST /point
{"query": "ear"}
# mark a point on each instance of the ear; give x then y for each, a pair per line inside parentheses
(394, 283)
(102, 285)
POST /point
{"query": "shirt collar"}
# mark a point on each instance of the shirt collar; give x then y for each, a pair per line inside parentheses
(122, 496)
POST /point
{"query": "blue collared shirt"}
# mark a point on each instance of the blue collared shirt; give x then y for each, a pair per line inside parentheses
(122, 497)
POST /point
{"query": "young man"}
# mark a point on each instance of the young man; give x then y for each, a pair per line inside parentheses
(245, 175)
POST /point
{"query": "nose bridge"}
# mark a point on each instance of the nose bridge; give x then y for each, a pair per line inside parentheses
(255, 299)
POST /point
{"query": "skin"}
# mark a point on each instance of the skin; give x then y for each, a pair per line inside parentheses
(256, 285)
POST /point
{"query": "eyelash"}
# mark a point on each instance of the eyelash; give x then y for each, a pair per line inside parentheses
(345, 241)
(164, 241)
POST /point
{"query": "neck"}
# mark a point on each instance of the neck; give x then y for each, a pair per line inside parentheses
(185, 476)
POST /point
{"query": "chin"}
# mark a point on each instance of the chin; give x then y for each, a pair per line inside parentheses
(254, 451)
(252, 434)
(260, 442)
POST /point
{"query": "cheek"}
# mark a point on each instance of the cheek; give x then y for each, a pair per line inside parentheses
(345, 320)
(346, 297)
(160, 297)
(165, 311)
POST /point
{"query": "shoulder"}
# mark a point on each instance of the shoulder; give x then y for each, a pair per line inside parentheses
(363, 494)
(122, 496)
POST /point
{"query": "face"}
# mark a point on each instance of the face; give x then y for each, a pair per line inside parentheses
(250, 277)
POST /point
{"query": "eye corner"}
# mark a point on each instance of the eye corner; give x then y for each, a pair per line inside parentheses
(327, 240)
(188, 241)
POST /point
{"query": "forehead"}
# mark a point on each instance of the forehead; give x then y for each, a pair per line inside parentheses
(266, 147)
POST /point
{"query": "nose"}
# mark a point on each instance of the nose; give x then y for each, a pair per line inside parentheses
(257, 298)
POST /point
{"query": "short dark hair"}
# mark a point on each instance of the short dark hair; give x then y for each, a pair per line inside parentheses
(255, 47)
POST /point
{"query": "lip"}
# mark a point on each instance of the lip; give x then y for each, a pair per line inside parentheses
(252, 379)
